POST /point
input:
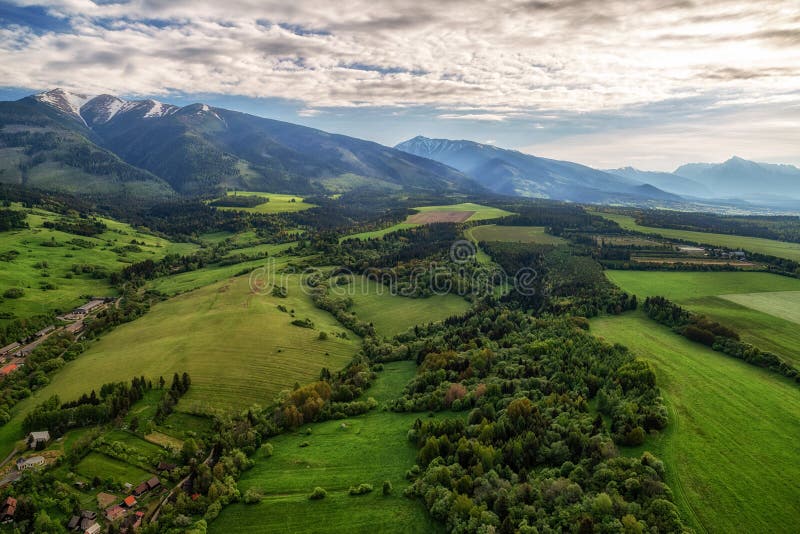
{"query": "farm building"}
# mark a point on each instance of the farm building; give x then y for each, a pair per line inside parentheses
(8, 369)
(153, 483)
(36, 439)
(8, 509)
(130, 501)
(94, 528)
(29, 463)
(8, 349)
(89, 307)
(74, 328)
(115, 512)
(44, 331)
(140, 489)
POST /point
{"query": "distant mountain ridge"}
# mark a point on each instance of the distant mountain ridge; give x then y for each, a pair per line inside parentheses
(665, 181)
(195, 149)
(738, 177)
(515, 173)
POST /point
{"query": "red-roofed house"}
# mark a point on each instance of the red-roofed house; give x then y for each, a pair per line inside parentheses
(130, 501)
(115, 512)
(8, 509)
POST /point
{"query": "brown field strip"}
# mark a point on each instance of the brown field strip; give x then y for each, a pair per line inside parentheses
(428, 217)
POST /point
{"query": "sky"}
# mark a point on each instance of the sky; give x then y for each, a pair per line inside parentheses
(647, 83)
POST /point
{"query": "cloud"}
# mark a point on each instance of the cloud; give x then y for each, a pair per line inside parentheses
(493, 117)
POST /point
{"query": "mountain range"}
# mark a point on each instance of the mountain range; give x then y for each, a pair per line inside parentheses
(104, 144)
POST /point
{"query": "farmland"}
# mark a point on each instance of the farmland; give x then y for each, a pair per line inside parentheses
(238, 347)
(769, 247)
(730, 447)
(760, 306)
(516, 234)
(456, 213)
(340, 453)
(55, 269)
(276, 204)
(392, 314)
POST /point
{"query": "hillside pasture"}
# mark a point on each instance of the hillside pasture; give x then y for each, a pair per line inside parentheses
(771, 247)
(730, 448)
(514, 234)
(339, 454)
(275, 203)
(55, 269)
(393, 314)
(762, 307)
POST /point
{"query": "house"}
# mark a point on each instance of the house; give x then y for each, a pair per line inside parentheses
(94, 528)
(164, 466)
(74, 328)
(29, 463)
(74, 523)
(130, 501)
(115, 512)
(141, 489)
(36, 439)
(88, 307)
(8, 509)
(8, 369)
(153, 483)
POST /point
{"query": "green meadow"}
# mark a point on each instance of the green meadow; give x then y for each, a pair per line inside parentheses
(731, 445)
(374, 234)
(762, 307)
(237, 346)
(335, 455)
(771, 247)
(99, 465)
(516, 234)
(277, 203)
(41, 262)
(393, 314)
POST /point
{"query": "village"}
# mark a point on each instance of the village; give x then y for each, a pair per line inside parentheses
(13, 356)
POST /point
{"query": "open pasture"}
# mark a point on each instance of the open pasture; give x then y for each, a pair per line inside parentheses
(731, 445)
(466, 211)
(759, 306)
(340, 453)
(515, 234)
(771, 247)
(276, 203)
(393, 314)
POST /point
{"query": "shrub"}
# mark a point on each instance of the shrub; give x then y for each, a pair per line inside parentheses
(361, 489)
(387, 487)
(267, 449)
(323, 336)
(318, 493)
(252, 496)
(13, 293)
(305, 444)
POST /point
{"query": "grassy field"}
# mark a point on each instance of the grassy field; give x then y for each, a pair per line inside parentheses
(770, 247)
(100, 465)
(731, 445)
(237, 346)
(392, 314)
(276, 204)
(47, 256)
(342, 453)
(517, 234)
(481, 212)
(760, 306)
(379, 233)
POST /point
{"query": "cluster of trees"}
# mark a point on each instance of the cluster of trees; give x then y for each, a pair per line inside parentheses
(558, 217)
(239, 201)
(86, 227)
(180, 385)
(12, 219)
(719, 337)
(782, 228)
(534, 453)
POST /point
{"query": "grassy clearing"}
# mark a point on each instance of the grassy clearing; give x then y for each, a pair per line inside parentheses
(516, 234)
(39, 263)
(276, 204)
(237, 346)
(374, 234)
(367, 449)
(141, 446)
(731, 446)
(770, 247)
(481, 212)
(392, 314)
(725, 296)
(104, 467)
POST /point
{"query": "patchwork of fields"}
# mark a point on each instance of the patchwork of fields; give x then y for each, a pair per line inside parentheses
(731, 445)
(456, 213)
(762, 307)
(339, 454)
(771, 247)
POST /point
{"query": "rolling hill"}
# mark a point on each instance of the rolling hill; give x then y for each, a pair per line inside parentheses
(195, 149)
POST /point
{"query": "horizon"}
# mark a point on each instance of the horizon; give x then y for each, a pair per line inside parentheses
(659, 74)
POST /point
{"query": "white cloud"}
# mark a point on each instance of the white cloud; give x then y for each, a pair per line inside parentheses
(492, 117)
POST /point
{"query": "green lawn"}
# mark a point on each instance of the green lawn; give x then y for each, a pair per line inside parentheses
(341, 453)
(392, 314)
(731, 446)
(481, 212)
(518, 234)
(760, 306)
(37, 263)
(100, 465)
(780, 249)
(237, 346)
(277, 203)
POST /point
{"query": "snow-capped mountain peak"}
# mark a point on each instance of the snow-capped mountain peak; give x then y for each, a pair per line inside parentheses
(65, 101)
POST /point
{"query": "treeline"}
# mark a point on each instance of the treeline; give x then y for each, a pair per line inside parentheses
(86, 227)
(12, 220)
(558, 218)
(239, 201)
(721, 338)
